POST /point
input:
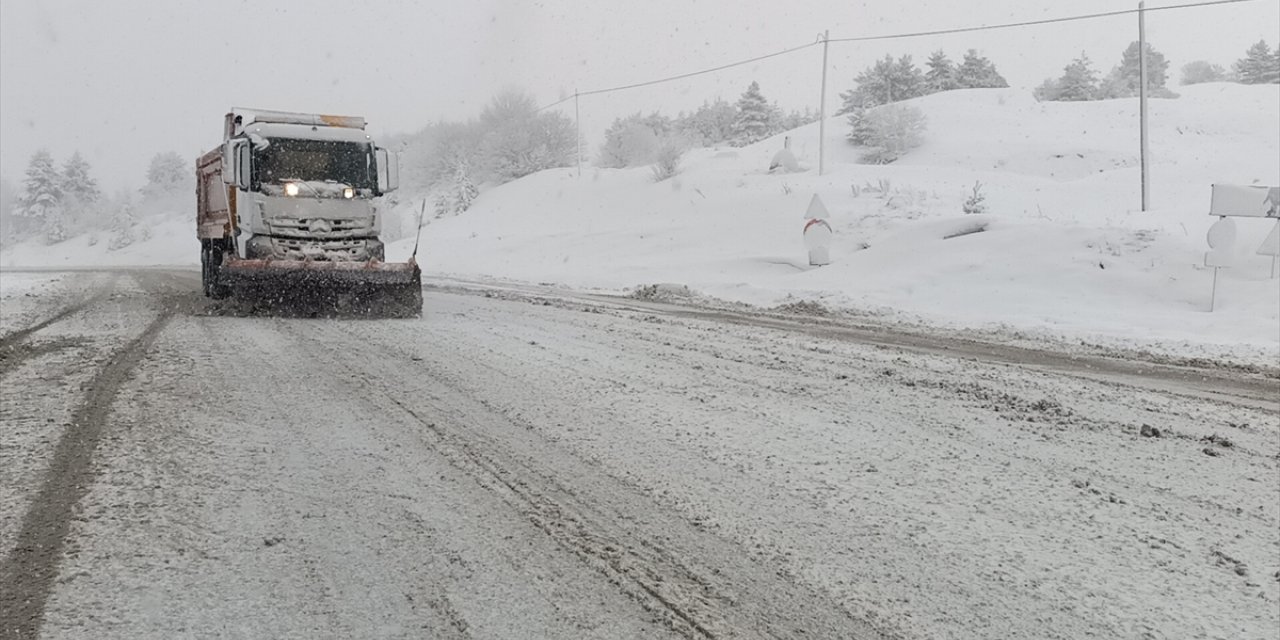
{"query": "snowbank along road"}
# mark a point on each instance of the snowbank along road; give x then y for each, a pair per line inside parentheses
(522, 464)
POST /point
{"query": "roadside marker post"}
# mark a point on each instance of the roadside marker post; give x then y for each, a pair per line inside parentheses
(1222, 238)
(817, 232)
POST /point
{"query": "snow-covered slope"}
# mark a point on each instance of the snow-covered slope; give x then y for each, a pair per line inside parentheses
(160, 240)
(1065, 252)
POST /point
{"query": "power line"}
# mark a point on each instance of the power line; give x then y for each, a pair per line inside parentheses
(1090, 16)
(682, 76)
(698, 73)
(1028, 23)
(556, 103)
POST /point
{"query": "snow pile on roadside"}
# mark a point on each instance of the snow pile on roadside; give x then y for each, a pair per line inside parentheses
(1062, 251)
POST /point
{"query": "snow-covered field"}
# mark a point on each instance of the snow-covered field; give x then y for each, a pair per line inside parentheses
(1064, 252)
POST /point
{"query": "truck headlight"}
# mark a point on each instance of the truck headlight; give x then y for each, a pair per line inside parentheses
(348, 193)
(291, 188)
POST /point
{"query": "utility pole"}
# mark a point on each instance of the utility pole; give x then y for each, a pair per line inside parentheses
(822, 107)
(1142, 101)
(577, 122)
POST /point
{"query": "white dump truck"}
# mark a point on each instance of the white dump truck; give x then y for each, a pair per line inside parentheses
(287, 207)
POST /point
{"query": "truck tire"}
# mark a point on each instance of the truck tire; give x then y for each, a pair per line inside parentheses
(211, 253)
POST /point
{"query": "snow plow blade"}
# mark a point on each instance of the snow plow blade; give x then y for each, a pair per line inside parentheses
(373, 288)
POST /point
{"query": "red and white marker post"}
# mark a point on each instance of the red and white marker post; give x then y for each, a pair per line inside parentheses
(817, 233)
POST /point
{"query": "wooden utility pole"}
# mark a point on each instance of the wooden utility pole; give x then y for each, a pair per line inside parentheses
(1142, 102)
(822, 107)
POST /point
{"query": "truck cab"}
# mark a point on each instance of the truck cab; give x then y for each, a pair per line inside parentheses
(305, 187)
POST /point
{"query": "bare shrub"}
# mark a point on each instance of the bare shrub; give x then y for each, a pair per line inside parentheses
(667, 163)
(976, 202)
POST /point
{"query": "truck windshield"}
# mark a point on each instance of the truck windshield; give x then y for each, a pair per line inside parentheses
(287, 159)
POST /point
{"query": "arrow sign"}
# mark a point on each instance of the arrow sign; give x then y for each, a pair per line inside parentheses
(816, 210)
(1247, 201)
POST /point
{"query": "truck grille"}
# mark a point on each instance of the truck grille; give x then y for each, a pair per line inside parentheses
(320, 228)
(322, 250)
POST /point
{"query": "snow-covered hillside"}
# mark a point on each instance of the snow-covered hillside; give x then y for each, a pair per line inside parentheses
(1065, 249)
(1063, 252)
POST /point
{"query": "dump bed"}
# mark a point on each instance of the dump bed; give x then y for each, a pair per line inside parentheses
(215, 202)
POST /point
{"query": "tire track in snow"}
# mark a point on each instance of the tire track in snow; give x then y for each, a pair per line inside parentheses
(9, 341)
(587, 513)
(28, 573)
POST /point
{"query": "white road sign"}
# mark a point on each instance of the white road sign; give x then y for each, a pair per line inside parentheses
(1245, 201)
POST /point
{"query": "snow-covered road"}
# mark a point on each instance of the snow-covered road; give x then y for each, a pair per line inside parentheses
(522, 464)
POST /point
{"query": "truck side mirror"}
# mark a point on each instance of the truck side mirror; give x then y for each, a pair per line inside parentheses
(237, 163)
(388, 170)
(244, 175)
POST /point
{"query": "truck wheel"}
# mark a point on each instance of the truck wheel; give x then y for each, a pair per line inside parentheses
(204, 267)
(210, 261)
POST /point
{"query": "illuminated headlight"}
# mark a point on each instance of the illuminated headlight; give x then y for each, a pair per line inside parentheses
(291, 188)
(348, 193)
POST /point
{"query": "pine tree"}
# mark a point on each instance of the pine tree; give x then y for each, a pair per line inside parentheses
(1259, 65)
(7, 199)
(893, 130)
(797, 119)
(755, 117)
(941, 75)
(859, 126)
(1079, 81)
(908, 80)
(1129, 73)
(710, 124)
(168, 173)
(977, 72)
(41, 203)
(459, 194)
(122, 225)
(81, 191)
(1048, 90)
(77, 183)
(875, 86)
(464, 189)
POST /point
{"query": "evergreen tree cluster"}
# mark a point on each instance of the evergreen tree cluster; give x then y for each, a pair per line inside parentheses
(52, 203)
(1260, 65)
(1080, 81)
(54, 200)
(892, 80)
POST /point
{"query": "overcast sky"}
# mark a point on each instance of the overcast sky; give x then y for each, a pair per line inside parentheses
(121, 81)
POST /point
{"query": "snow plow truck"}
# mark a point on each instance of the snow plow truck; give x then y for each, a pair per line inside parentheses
(286, 210)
